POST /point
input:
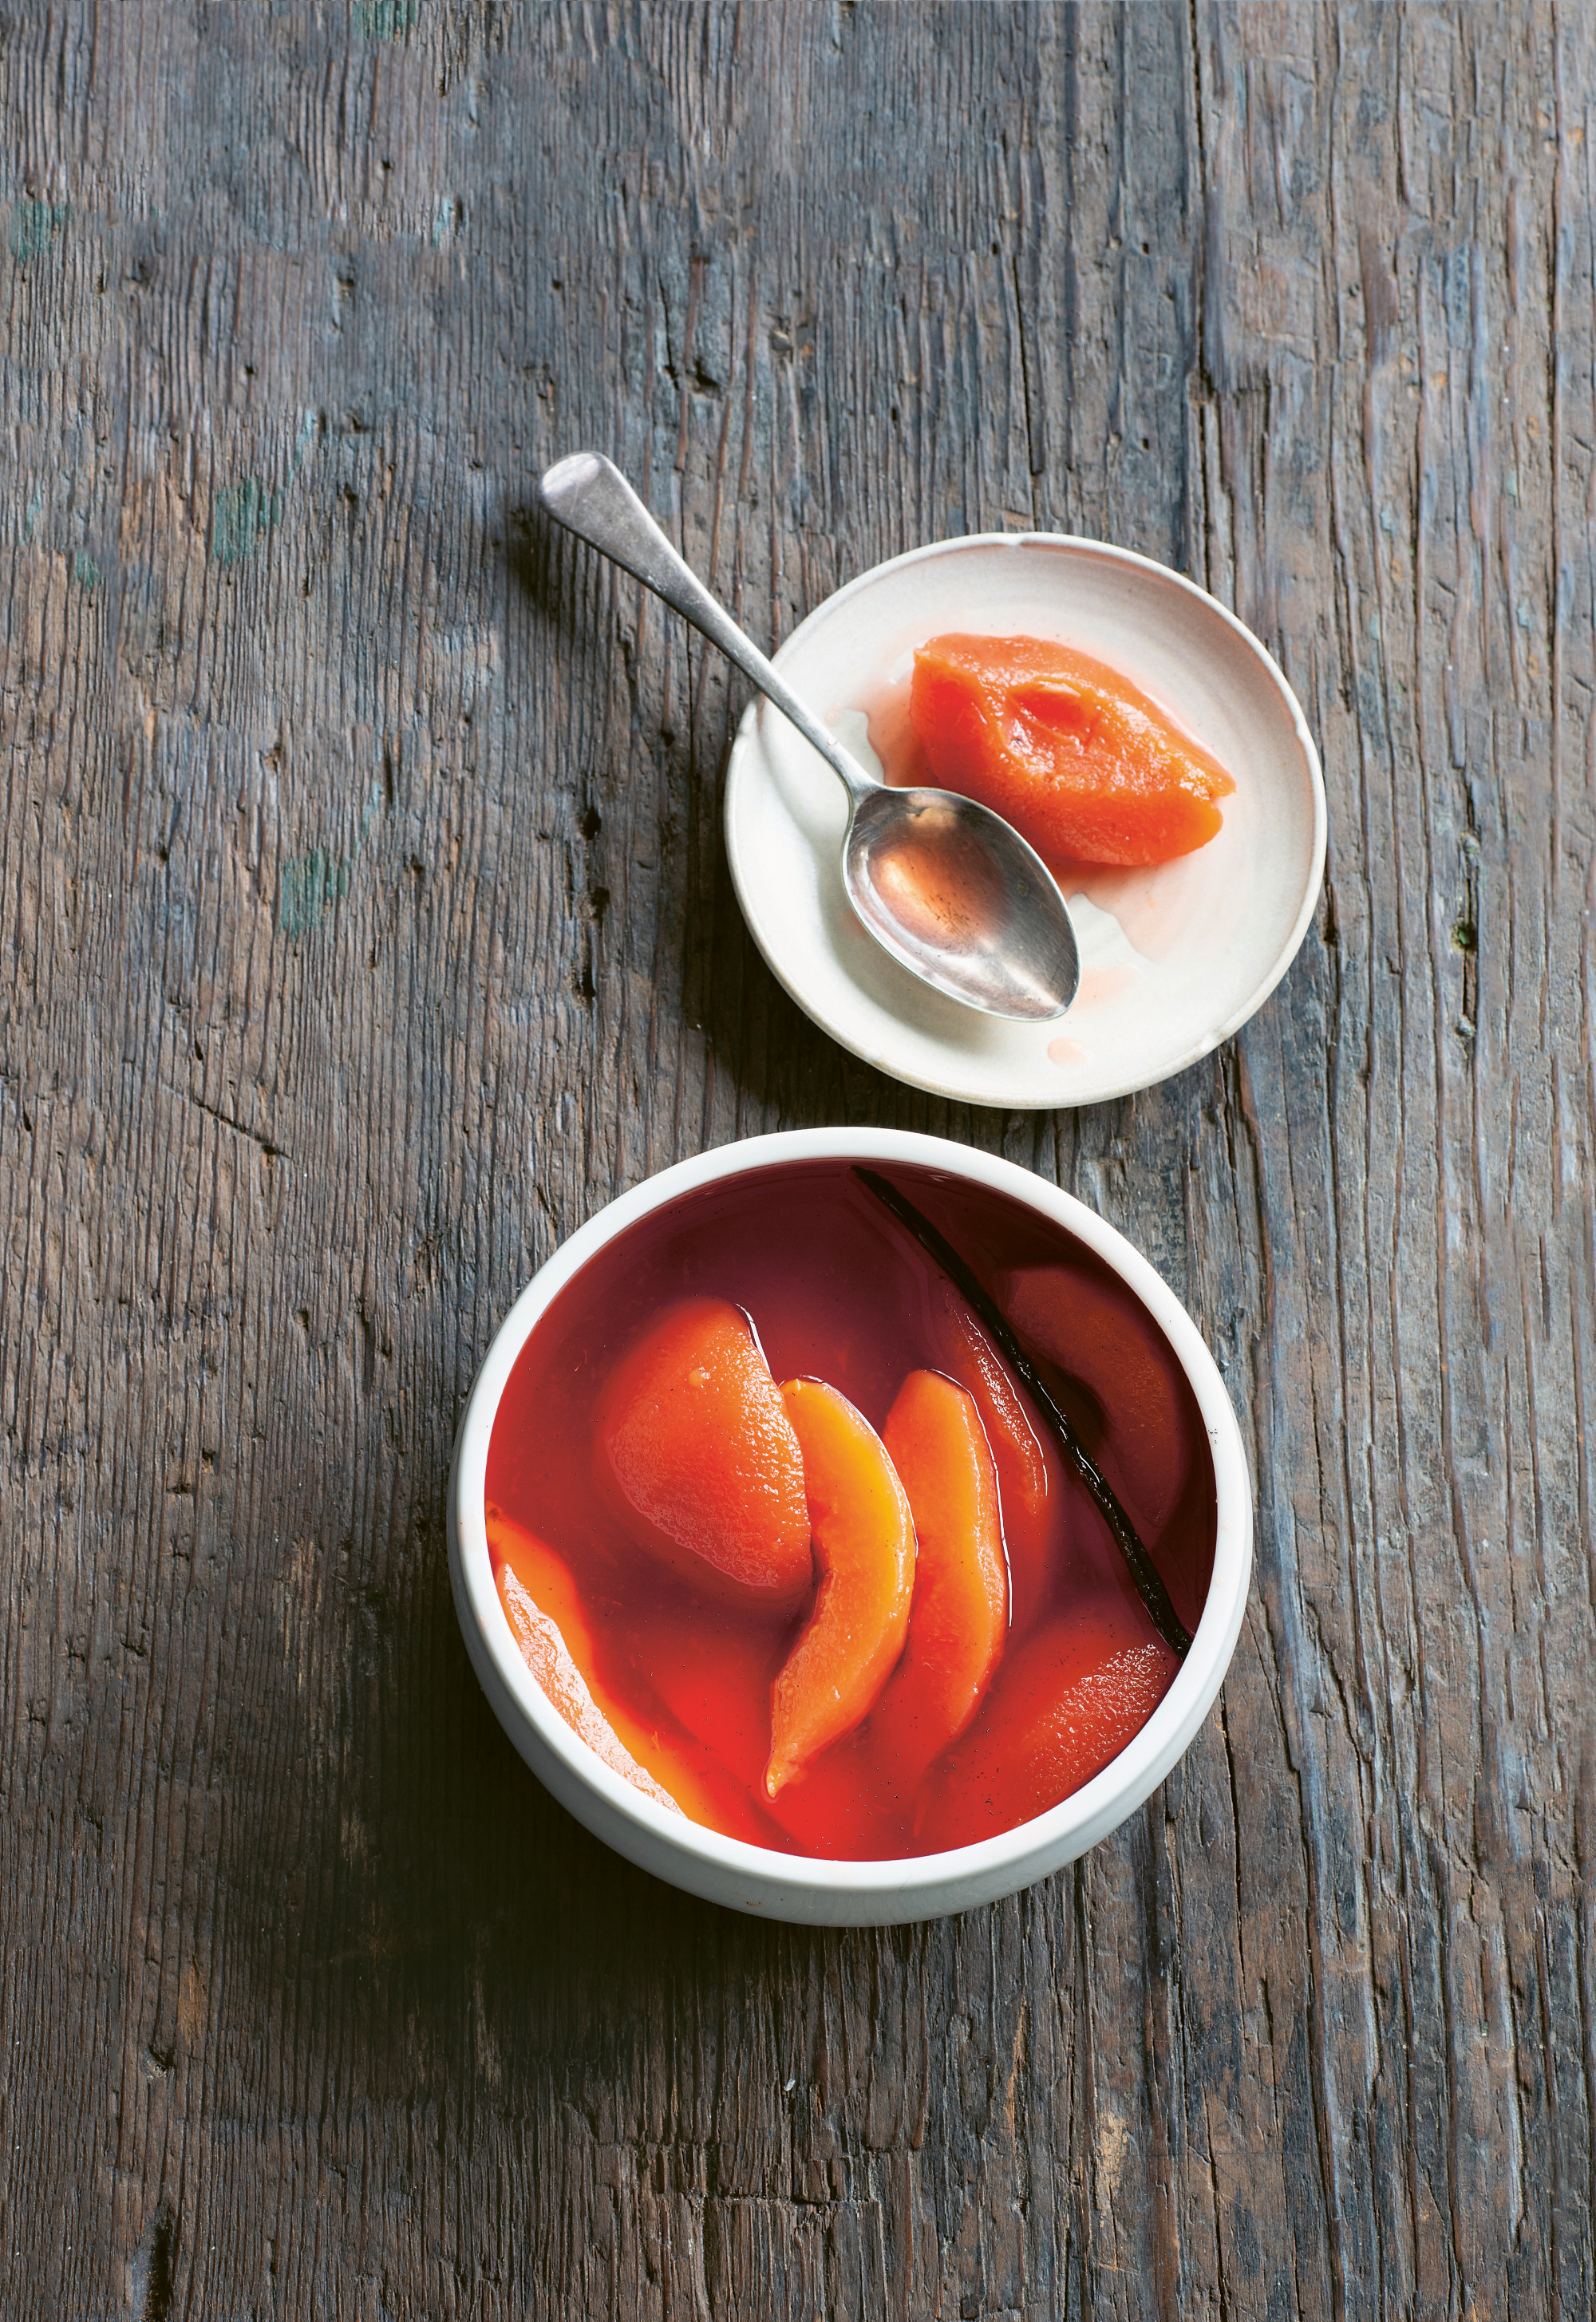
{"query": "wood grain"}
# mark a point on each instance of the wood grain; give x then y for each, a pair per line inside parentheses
(365, 925)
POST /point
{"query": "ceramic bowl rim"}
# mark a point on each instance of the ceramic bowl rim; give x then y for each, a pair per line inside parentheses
(746, 885)
(984, 1868)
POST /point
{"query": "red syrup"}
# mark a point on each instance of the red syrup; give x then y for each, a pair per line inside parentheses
(836, 1290)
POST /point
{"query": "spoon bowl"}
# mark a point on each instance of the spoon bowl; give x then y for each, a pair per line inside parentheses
(947, 887)
(956, 894)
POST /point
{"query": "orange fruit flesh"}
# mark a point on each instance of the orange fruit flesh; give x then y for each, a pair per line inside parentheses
(693, 1436)
(1070, 1699)
(544, 1614)
(714, 1676)
(959, 1617)
(1077, 757)
(539, 1596)
(1139, 1424)
(864, 1544)
(1029, 1472)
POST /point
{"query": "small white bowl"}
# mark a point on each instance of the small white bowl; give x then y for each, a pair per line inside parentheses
(800, 1886)
(1175, 958)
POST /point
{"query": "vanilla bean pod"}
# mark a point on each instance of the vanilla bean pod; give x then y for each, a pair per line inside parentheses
(1150, 1586)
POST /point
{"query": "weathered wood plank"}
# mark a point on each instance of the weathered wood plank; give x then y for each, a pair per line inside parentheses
(365, 925)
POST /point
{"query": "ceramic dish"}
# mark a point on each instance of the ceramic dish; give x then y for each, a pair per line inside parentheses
(1175, 959)
(800, 1886)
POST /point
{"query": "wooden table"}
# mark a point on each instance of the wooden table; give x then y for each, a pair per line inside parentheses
(366, 925)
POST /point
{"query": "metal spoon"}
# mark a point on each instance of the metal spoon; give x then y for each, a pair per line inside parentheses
(948, 888)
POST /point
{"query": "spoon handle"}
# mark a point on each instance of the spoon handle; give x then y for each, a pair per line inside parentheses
(591, 497)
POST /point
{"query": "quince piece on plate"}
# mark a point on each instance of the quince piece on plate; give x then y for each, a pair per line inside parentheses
(1077, 757)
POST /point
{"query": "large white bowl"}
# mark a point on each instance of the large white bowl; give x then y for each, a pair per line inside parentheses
(797, 1886)
(1175, 958)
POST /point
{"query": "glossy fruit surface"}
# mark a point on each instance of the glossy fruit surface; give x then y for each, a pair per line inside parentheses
(1080, 760)
(1030, 1467)
(547, 1655)
(697, 1444)
(959, 1617)
(1071, 1698)
(1121, 1385)
(542, 1609)
(864, 1545)
(629, 1726)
